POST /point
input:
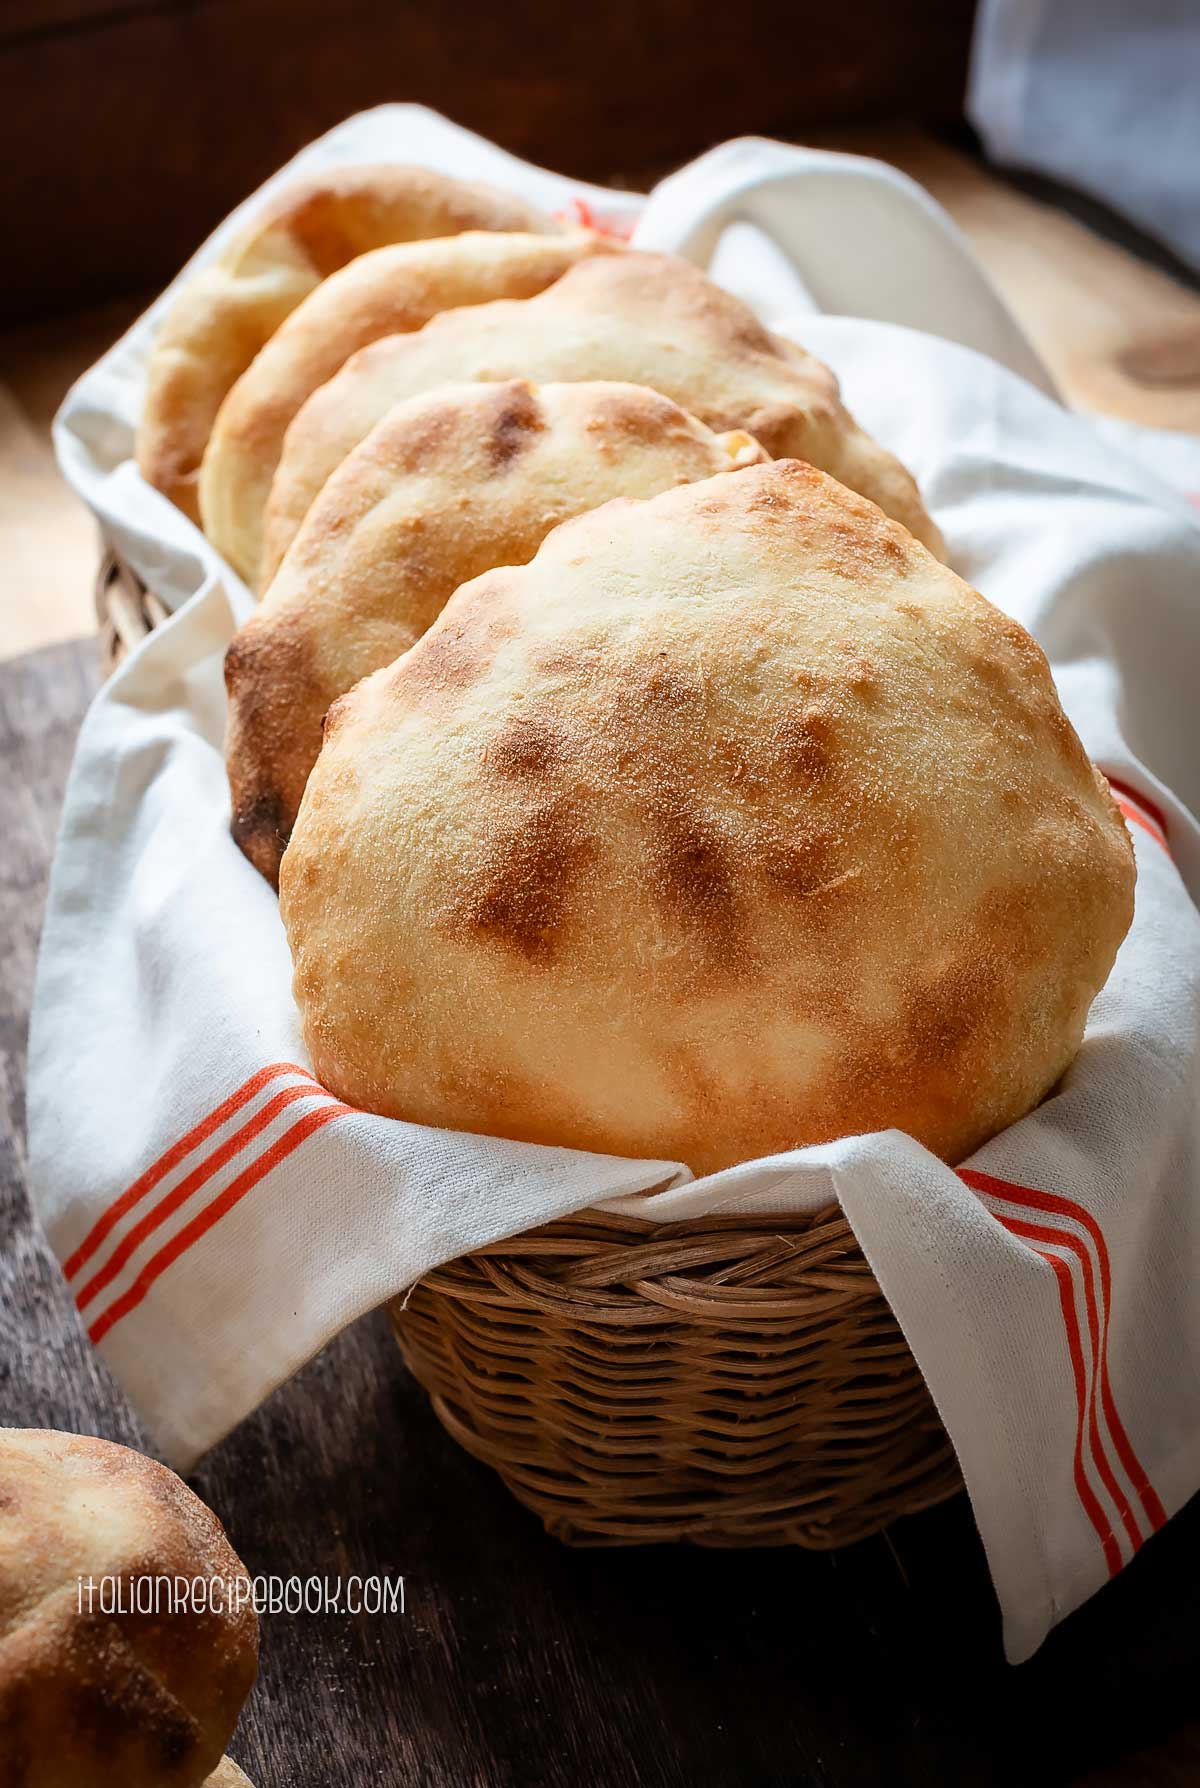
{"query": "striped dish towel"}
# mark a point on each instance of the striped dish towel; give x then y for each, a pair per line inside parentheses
(219, 1215)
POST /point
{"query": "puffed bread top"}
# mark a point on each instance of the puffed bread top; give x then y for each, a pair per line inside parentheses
(732, 822)
(390, 291)
(445, 487)
(643, 319)
(120, 1698)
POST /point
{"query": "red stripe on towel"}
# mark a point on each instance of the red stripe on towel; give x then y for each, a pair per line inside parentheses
(177, 1152)
(1053, 1205)
(205, 1220)
(199, 1176)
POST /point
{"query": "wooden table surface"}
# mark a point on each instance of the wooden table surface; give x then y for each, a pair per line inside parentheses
(518, 1661)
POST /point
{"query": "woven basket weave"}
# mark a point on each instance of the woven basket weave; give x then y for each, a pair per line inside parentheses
(734, 1381)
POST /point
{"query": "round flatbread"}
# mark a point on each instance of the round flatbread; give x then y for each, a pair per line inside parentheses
(306, 231)
(445, 487)
(99, 1683)
(390, 291)
(730, 823)
(639, 318)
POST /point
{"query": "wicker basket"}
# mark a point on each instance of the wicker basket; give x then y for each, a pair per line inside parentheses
(731, 1381)
(125, 609)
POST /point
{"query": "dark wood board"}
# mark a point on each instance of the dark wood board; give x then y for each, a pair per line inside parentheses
(128, 130)
(520, 1664)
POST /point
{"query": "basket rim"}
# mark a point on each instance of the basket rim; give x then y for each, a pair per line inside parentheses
(127, 610)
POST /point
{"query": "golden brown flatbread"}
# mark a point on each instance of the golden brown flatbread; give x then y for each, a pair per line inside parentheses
(135, 1697)
(390, 291)
(732, 822)
(225, 313)
(445, 487)
(639, 318)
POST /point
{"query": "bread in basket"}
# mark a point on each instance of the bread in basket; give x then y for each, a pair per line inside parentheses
(731, 1379)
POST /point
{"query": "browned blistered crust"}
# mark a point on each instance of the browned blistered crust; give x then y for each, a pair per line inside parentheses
(389, 291)
(447, 486)
(225, 314)
(640, 318)
(733, 821)
(110, 1700)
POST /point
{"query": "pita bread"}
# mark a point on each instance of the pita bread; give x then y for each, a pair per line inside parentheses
(225, 313)
(447, 486)
(643, 319)
(390, 291)
(228, 1775)
(732, 822)
(118, 1699)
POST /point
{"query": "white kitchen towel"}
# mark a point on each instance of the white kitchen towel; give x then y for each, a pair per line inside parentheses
(220, 1216)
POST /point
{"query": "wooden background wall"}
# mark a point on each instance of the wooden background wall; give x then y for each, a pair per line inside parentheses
(129, 127)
